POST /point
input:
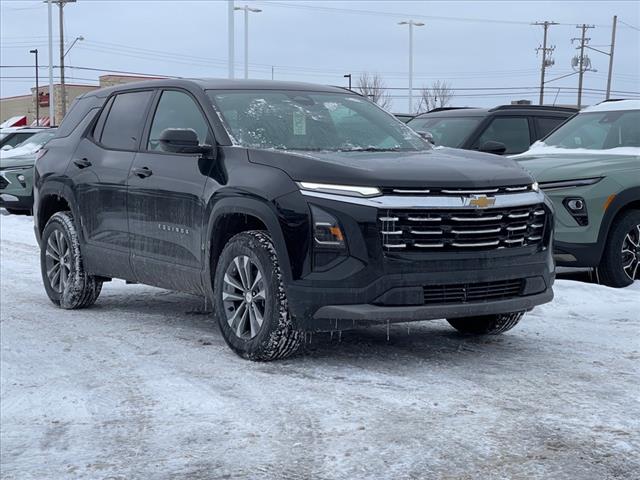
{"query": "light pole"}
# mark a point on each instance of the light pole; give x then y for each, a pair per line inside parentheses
(35, 52)
(63, 92)
(348, 75)
(411, 24)
(80, 38)
(246, 9)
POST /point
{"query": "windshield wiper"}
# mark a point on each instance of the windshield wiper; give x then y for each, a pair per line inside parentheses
(370, 149)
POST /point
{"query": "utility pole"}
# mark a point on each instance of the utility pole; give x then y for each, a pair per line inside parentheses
(35, 52)
(613, 44)
(546, 62)
(583, 63)
(52, 100)
(247, 9)
(411, 24)
(348, 75)
(63, 92)
(231, 38)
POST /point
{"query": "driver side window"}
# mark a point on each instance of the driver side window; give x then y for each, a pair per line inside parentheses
(177, 110)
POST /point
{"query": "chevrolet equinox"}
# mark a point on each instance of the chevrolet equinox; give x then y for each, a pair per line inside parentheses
(293, 207)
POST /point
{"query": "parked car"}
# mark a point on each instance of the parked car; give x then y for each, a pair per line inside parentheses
(294, 207)
(507, 129)
(590, 168)
(16, 173)
(404, 117)
(10, 137)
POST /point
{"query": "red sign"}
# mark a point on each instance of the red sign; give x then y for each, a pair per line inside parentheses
(43, 99)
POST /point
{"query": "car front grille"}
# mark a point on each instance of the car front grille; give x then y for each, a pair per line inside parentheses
(3, 183)
(457, 191)
(461, 229)
(472, 292)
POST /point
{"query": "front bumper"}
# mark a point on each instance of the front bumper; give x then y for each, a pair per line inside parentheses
(372, 285)
(16, 189)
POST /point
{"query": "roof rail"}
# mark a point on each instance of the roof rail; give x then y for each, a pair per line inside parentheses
(536, 107)
(444, 109)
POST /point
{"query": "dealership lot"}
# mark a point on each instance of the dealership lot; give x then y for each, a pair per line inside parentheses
(143, 386)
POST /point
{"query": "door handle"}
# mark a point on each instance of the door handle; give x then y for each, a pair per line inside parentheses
(82, 163)
(143, 172)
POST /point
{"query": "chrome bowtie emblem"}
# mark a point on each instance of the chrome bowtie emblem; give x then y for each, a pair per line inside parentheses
(481, 201)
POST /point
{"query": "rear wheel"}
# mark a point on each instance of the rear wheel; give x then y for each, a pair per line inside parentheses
(65, 280)
(620, 264)
(250, 301)
(486, 324)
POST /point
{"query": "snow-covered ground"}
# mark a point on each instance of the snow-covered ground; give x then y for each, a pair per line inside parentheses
(141, 387)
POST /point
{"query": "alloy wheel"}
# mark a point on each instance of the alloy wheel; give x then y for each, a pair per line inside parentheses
(244, 297)
(631, 253)
(58, 261)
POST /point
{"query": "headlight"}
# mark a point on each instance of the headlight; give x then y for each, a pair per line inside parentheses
(326, 230)
(349, 190)
(577, 207)
(570, 183)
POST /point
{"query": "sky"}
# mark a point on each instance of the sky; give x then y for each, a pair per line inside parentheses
(472, 45)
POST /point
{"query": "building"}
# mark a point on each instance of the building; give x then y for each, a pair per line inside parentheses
(26, 104)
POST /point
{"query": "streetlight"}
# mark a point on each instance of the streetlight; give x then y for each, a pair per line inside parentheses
(411, 24)
(348, 75)
(80, 38)
(35, 52)
(246, 9)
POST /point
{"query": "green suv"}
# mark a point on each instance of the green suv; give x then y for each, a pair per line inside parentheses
(590, 168)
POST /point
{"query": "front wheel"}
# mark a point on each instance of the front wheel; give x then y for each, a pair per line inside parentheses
(486, 324)
(250, 301)
(620, 264)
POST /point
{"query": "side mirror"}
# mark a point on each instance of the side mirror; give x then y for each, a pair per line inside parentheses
(427, 136)
(182, 140)
(494, 147)
(7, 147)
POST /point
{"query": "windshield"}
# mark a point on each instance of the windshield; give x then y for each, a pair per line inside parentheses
(37, 140)
(598, 131)
(446, 131)
(300, 120)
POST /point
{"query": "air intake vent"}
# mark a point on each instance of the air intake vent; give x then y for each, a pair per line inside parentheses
(472, 292)
(433, 230)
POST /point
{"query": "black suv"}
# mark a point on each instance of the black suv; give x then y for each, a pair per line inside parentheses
(508, 129)
(294, 207)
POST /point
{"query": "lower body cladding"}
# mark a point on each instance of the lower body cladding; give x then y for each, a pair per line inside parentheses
(428, 290)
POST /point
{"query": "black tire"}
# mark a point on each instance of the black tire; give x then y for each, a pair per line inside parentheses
(486, 324)
(277, 336)
(611, 270)
(79, 290)
(14, 211)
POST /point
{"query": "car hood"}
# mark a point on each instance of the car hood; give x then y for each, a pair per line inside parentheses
(571, 166)
(440, 167)
(21, 161)
(20, 151)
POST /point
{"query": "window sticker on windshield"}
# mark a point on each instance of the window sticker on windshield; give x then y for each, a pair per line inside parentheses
(299, 123)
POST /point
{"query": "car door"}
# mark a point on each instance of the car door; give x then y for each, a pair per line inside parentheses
(512, 131)
(165, 198)
(98, 172)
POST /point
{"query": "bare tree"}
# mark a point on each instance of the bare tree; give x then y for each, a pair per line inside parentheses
(436, 96)
(372, 86)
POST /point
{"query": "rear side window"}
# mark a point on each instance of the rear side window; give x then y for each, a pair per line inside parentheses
(546, 125)
(513, 132)
(124, 120)
(72, 119)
